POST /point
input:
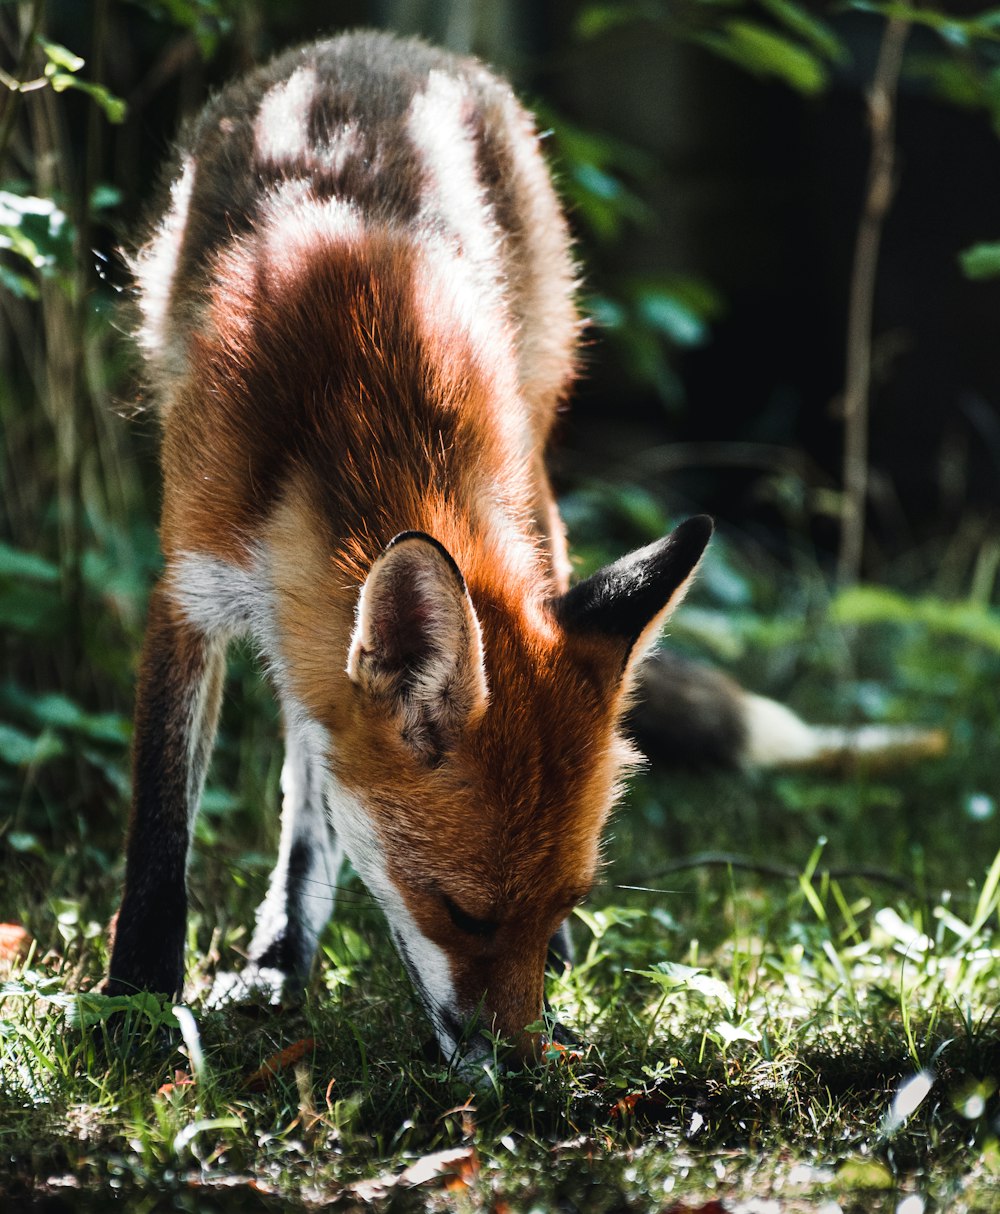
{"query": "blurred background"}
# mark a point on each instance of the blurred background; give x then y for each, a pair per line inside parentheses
(786, 215)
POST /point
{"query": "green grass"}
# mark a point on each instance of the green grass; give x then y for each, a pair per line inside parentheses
(753, 1030)
(768, 1068)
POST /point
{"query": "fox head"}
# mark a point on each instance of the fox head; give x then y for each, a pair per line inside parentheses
(483, 757)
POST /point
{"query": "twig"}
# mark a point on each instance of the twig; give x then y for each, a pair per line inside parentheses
(857, 376)
(11, 98)
(786, 872)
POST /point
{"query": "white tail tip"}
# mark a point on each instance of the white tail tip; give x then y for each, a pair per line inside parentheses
(777, 737)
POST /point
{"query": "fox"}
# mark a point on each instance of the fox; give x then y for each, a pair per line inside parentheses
(358, 312)
(359, 322)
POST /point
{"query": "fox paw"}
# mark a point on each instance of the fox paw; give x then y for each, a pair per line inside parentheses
(260, 986)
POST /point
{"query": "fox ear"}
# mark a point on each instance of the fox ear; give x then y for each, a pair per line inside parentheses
(630, 600)
(417, 647)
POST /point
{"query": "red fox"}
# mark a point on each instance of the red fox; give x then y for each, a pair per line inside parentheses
(358, 318)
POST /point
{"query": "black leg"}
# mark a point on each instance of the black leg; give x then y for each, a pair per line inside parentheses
(177, 704)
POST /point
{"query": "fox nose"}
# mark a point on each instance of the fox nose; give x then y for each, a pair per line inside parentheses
(464, 1042)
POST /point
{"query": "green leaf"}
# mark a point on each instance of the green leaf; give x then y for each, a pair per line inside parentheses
(115, 109)
(671, 317)
(953, 80)
(956, 31)
(20, 749)
(30, 609)
(103, 197)
(206, 19)
(808, 27)
(184, 1137)
(58, 711)
(601, 921)
(597, 182)
(727, 1033)
(597, 19)
(672, 976)
(25, 843)
(16, 563)
(59, 57)
(605, 313)
(85, 1009)
(36, 230)
(18, 285)
(765, 53)
(981, 260)
(861, 1173)
(877, 605)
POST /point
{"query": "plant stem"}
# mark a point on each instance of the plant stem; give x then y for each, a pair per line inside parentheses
(857, 376)
(11, 97)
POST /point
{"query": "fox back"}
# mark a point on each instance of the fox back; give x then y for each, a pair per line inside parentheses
(358, 320)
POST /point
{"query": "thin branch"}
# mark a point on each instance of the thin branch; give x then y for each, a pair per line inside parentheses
(12, 97)
(857, 375)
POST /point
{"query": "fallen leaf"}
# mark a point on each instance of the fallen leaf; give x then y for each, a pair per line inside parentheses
(278, 1062)
(555, 1051)
(15, 942)
(626, 1104)
(457, 1168)
(181, 1080)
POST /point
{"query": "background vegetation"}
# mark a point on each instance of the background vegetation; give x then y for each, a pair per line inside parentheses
(785, 215)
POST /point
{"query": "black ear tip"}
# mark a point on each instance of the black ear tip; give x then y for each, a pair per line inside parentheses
(693, 534)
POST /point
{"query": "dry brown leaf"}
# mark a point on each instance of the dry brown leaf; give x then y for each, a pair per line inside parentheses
(278, 1062)
(15, 942)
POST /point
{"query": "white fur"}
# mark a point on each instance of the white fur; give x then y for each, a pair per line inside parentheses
(433, 970)
(776, 736)
(155, 267)
(459, 274)
(227, 600)
(340, 147)
(219, 597)
(548, 324)
(202, 713)
(281, 128)
(304, 777)
(298, 223)
(455, 201)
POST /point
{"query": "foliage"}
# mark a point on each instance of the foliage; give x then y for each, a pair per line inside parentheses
(61, 68)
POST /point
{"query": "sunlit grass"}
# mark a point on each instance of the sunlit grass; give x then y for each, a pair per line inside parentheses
(827, 1043)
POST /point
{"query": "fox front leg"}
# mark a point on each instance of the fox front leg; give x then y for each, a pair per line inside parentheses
(302, 889)
(177, 707)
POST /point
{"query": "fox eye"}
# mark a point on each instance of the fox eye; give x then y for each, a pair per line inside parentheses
(467, 923)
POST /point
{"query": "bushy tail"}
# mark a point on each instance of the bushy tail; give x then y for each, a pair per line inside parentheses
(690, 715)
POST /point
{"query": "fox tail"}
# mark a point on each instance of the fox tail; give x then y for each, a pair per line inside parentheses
(691, 715)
